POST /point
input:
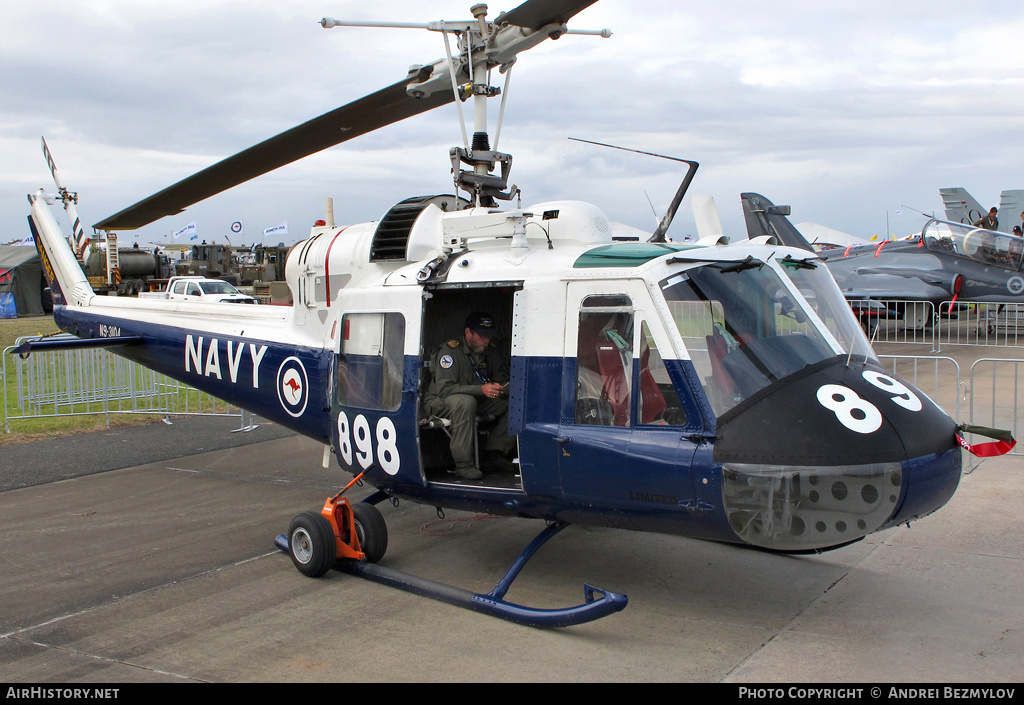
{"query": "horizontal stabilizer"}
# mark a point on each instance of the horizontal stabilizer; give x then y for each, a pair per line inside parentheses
(66, 342)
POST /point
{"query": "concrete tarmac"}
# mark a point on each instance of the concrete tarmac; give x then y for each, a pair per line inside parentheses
(166, 572)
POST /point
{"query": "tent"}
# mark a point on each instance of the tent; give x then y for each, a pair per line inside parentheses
(21, 281)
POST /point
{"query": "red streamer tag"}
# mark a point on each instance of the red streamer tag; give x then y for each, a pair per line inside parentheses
(986, 450)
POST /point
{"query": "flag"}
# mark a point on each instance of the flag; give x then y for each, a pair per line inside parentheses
(281, 229)
(189, 229)
(236, 228)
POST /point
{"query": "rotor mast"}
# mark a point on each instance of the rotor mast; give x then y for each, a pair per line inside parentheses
(483, 46)
(480, 183)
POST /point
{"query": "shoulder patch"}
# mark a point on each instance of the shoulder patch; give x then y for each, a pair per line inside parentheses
(454, 343)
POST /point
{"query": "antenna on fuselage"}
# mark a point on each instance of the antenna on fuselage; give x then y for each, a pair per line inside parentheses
(666, 220)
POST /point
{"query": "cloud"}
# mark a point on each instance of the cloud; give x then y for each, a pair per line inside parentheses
(843, 113)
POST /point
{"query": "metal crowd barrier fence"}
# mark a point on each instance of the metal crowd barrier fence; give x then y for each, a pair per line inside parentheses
(995, 395)
(951, 323)
(993, 389)
(898, 321)
(981, 323)
(78, 382)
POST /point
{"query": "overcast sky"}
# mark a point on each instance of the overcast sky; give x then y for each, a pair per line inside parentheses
(847, 111)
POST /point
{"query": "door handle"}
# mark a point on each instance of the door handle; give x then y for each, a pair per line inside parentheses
(562, 440)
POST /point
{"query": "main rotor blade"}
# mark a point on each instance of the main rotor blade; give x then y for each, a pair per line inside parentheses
(386, 106)
(534, 14)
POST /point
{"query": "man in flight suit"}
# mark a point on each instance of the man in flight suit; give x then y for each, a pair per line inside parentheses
(469, 378)
(990, 221)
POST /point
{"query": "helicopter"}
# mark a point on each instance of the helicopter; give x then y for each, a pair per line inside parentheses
(711, 390)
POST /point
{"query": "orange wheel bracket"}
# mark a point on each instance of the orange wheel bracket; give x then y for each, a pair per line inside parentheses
(338, 512)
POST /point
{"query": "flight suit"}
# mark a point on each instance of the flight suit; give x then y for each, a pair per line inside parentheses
(454, 393)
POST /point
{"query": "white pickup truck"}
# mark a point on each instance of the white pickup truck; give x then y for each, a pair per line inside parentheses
(196, 288)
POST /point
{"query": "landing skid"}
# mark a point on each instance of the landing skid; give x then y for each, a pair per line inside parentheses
(597, 603)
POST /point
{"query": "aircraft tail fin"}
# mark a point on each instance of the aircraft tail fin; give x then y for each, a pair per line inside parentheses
(68, 282)
(764, 218)
(1011, 206)
(961, 206)
(706, 216)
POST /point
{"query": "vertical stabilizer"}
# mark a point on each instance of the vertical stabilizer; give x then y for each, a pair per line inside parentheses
(961, 206)
(705, 214)
(58, 260)
(765, 219)
(1011, 205)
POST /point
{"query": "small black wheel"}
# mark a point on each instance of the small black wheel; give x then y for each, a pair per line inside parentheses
(311, 544)
(371, 529)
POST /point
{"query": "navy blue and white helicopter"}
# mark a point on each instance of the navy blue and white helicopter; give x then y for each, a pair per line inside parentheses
(724, 392)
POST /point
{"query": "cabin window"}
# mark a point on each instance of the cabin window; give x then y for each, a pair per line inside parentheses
(657, 403)
(370, 362)
(604, 360)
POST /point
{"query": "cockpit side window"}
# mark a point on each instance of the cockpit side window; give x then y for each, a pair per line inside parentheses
(604, 359)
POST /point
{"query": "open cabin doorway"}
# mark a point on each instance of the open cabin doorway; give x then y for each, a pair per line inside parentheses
(445, 310)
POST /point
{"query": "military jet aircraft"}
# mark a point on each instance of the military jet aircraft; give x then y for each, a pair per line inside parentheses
(947, 262)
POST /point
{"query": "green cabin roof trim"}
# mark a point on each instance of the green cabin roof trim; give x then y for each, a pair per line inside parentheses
(627, 254)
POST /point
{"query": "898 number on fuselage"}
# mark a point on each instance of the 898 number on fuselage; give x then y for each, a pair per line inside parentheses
(359, 446)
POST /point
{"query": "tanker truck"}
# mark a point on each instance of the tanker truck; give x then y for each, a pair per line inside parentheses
(132, 267)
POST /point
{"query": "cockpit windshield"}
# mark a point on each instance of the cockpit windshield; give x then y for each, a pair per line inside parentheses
(746, 326)
(816, 285)
(985, 246)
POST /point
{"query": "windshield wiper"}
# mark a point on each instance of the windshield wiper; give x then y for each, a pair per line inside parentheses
(748, 263)
(799, 263)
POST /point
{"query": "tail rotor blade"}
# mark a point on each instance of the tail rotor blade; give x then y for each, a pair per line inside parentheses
(81, 241)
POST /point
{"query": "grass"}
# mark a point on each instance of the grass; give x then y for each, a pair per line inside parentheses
(31, 429)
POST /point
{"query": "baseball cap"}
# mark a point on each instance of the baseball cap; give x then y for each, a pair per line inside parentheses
(481, 324)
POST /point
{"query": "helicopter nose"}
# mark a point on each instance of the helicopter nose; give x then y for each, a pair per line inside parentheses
(833, 453)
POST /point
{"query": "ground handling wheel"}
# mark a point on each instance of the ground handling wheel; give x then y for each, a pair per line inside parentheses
(340, 531)
(311, 544)
(371, 531)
